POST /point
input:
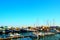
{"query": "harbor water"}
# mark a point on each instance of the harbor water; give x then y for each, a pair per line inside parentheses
(51, 37)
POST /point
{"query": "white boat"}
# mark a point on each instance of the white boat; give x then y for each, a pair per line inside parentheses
(16, 34)
(13, 35)
(42, 34)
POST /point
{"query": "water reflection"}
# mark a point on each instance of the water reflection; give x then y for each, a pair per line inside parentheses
(35, 38)
(44, 38)
(52, 37)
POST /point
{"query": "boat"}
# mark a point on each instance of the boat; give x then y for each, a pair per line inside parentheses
(8, 31)
(23, 30)
(11, 35)
(15, 31)
(57, 31)
(14, 35)
(1, 32)
(40, 34)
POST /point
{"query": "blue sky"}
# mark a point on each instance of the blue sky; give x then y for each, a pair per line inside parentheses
(29, 12)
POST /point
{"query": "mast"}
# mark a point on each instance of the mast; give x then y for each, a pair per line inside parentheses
(53, 22)
(37, 22)
(47, 23)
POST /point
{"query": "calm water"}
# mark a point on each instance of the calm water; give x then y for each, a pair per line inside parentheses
(53, 37)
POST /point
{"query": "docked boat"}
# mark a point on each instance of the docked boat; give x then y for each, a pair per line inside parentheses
(11, 35)
(23, 30)
(14, 35)
(15, 31)
(57, 31)
(1, 32)
(38, 34)
(8, 31)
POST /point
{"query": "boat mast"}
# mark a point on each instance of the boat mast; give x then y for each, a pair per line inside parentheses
(37, 22)
(53, 22)
(47, 23)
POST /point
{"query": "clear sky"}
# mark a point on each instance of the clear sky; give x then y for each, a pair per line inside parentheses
(29, 12)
